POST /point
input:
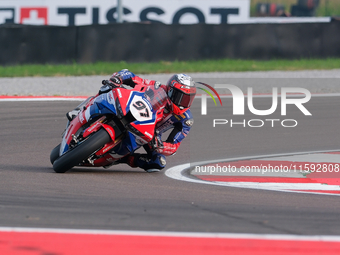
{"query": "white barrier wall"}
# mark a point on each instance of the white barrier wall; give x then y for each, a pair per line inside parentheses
(87, 12)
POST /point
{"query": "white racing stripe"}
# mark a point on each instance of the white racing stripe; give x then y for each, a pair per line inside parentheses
(324, 238)
(283, 186)
(69, 98)
(42, 99)
(311, 158)
(279, 95)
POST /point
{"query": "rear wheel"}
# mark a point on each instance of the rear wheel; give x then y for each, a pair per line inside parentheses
(54, 154)
(81, 152)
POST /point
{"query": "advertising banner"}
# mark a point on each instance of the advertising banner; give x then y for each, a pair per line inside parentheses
(88, 12)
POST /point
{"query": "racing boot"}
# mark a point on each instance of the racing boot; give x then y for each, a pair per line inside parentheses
(150, 165)
(156, 163)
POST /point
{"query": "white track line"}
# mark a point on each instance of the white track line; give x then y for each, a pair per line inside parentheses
(279, 95)
(176, 173)
(310, 158)
(43, 99)
(325, 238)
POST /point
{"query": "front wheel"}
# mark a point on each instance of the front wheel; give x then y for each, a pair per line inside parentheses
(54, 154)
(81, 152)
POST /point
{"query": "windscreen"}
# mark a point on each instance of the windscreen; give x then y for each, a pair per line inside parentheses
(157, 97)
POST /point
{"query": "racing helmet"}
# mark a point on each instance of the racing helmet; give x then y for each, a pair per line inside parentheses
(181, 92)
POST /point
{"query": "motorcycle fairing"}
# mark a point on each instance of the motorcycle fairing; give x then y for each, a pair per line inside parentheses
(73, 127)
(143, 116)
(102, 104)
(142, 111)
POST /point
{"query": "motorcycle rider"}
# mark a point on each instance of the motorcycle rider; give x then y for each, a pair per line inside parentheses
(181, 91)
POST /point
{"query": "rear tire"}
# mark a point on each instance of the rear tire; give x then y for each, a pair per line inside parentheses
(54, 154)
(81, 152)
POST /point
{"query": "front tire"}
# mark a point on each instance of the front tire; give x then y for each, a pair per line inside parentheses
(54, 154)
(81, 152)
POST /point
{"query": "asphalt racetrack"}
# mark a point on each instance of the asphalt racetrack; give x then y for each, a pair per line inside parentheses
(121, 198)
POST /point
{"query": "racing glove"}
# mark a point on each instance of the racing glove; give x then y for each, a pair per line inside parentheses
(164, 148)
(156, 143)
(168, 149)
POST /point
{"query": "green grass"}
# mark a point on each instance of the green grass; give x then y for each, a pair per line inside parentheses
(224, 65)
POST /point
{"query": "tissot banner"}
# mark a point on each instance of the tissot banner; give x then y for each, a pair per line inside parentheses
(87, 12)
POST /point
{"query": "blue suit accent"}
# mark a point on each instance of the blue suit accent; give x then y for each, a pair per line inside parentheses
(180, 121)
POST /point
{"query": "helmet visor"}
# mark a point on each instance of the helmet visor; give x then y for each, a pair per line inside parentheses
(181, 99)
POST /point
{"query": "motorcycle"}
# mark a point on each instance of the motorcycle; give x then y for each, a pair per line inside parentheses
(109, 127)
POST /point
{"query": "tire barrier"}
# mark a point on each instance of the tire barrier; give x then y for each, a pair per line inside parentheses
(137, 42)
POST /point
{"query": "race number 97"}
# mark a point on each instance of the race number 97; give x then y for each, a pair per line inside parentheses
(140, 106)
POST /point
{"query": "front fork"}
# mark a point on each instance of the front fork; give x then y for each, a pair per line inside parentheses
(102, 157)
(81, 119)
